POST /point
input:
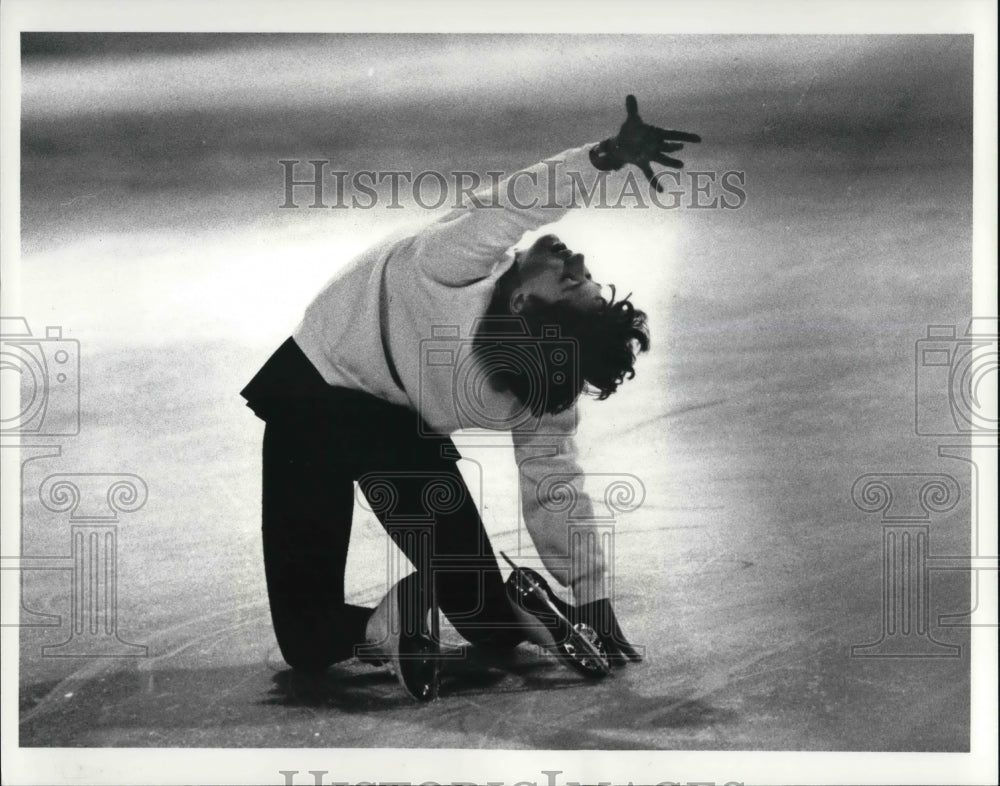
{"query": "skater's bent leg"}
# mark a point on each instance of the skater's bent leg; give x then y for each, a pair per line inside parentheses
(452, 545)
(307, 509)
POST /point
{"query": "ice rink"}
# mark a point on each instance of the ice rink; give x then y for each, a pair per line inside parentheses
(784, 367)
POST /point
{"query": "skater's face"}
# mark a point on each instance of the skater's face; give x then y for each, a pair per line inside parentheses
(552, 273)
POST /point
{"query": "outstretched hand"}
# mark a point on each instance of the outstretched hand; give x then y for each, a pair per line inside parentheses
(642, 145)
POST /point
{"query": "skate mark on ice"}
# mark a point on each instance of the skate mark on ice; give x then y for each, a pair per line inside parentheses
(673, 413)
(726, 678)
(96, 667)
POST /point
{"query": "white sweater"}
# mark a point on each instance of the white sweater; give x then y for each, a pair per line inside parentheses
(406, 308)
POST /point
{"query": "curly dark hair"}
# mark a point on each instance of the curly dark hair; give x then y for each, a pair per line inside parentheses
(604, 345)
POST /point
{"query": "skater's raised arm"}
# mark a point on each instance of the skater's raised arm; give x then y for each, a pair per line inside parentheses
(467, 243)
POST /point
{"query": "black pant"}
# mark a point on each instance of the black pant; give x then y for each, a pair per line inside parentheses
(315, 447)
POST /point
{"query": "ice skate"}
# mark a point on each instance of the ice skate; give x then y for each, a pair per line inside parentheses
(577, 645)
(400, 635)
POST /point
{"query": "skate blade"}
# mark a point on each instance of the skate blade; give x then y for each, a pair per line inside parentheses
(583, 651)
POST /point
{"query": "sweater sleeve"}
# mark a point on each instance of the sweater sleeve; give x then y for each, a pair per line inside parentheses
(466, 244)
(557, 511)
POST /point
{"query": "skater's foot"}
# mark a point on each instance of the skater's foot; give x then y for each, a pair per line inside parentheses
(549, 625)
(398, 635)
